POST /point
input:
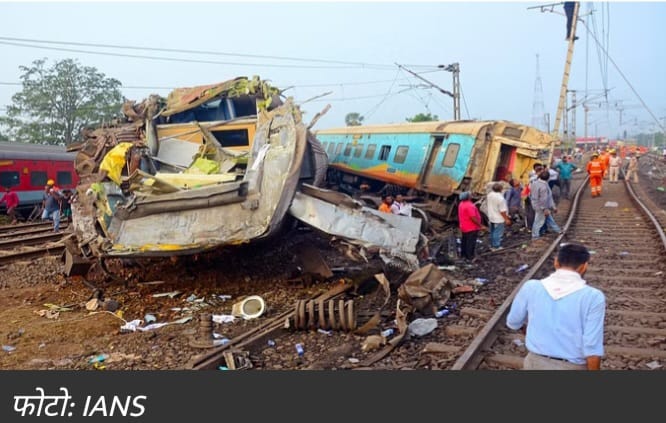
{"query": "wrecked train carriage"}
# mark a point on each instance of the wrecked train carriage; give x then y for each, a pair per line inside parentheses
(432, 160)
(159, 185)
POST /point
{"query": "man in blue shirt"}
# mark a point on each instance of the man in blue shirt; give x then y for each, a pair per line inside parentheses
(565, 316)
(566, 168)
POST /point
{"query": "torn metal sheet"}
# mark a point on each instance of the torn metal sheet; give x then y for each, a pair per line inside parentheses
(147, 213)
(338, 214)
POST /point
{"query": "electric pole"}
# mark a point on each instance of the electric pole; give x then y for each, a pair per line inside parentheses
(454, 68)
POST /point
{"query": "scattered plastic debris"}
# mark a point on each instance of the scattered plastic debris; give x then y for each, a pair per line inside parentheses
(56, 307)
(98, 358)
(49, 314)
(271, 343)
(223, 318)
(624, 253)
(167, 294)
(135, 325)
(598, 231)
(421, 327)
(481, 281)
(93, 304)
(220, 341)
(662, 189)
(388, 332)
(149, 318)
(592, 252)
(443, 312)
(610, 204)
(223, 368)
(249, 308)
(42, 345)
(353, 360)
(299, 350)
(518, 342)
(449, 268)
(522, 267)
(8, 348)
(224, 297)
(325, 332)
(653, 365)
(659, 273)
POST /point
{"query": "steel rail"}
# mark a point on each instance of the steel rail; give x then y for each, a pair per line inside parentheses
(48, 251)
(471, 357)
(32, 240)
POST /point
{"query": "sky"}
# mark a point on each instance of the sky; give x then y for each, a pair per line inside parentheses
(349, 50)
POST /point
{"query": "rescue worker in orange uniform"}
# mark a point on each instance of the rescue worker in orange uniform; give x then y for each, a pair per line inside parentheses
(595, 168)
(605, 160)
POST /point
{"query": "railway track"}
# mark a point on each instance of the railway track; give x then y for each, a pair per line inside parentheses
(628, 264)
(27, 232)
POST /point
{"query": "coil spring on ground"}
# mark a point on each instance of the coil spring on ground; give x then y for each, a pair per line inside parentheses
(327, 315)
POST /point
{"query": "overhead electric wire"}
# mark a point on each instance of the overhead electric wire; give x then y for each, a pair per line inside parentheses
(176, 59)
(376, 107)
(617, 68)
(207, 52)
(464, 100)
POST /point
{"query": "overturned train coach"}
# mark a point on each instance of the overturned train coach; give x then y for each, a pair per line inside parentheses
(209, 166)
(432, 161)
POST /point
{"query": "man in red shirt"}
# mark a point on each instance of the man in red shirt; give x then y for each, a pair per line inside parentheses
(469, 220)
(11, 200)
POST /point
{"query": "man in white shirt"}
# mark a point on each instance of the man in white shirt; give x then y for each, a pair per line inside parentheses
(615, 162)
(401, 207)
(498, 216)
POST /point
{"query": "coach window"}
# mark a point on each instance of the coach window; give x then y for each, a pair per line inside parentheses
(400, 154)
(324, 145)
(64, 178)
(451, 155)
(338, 148)
(9, 179)
(38, 179)
(348, 148)
(358, 150)
(370, 152)
(384, 152)
(331, 147)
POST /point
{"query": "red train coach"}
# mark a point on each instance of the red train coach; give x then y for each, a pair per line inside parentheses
(27, 167)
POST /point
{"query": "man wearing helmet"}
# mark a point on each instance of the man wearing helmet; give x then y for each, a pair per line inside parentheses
(595, 169)
(51, 204)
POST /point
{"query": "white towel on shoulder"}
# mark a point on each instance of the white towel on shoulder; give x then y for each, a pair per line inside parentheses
(562, 283)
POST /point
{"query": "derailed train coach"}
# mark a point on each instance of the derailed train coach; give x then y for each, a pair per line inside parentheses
(207, 167)
(432, 161)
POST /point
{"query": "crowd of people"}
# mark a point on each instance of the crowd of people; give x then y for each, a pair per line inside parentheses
(56, 204)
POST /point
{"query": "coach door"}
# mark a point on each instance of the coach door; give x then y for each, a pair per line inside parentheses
(433, 180)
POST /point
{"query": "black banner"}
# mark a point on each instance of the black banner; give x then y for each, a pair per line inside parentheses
(175, 396)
